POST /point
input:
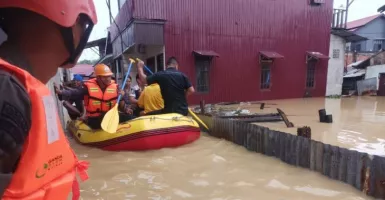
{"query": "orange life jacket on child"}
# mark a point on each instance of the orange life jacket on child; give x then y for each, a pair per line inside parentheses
(47, 165)
(97, 101)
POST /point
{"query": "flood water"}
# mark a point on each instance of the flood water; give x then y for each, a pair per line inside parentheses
(208, 169)
(214, 169)
(358, 122)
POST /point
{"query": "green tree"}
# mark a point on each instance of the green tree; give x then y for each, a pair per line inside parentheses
(89, 62)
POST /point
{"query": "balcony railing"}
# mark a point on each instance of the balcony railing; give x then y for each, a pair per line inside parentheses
(339, 18)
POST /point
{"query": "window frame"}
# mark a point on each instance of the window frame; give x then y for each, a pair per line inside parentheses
(308, 63)
(198, 70)
(268, 64)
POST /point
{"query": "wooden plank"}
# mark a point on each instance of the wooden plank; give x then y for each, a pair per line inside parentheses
(304, 155)
(293, 152)
(319, 157)
(335, 159)
(282, 143)
(326, 160)
(343, 165)
(363, 162)
(277, 146)
(259, 139)
(352, 168)
(269, 142)
(297, 150)
(288, 148)
(251, 138)
(377, 177)
(265, 139)
(313, 153)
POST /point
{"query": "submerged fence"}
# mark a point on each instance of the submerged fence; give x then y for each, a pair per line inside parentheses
(362, 171)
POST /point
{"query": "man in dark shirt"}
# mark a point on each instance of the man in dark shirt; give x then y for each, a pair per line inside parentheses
(174, 86)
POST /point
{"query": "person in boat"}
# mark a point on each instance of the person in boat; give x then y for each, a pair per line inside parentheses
(76, 111)
(36, 37)
(129, 100)
(150, 99)
(100, 95)
(174, 86)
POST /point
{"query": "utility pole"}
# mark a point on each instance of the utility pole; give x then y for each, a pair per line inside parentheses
(348, 3)
(109, 8)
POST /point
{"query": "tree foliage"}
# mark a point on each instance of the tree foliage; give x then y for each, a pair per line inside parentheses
(89, 62)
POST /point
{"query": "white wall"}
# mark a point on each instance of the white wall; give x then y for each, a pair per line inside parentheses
(335, 67)
(57, 79)
(373, 72)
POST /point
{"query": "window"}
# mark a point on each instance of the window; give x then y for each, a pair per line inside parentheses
(377, 47)
(202, 65)
(265, 75)
(357, 48)
(336, 53)
(310, 75)
(160, 62)
(150, 62)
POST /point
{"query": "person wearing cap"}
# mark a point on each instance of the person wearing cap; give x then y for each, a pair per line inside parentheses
(100, 95)
(37, 37)
(76, 111)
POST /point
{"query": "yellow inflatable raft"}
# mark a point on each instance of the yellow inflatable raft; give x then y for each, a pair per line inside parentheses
(143, 133)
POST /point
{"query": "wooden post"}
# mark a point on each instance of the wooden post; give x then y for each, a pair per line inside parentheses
(202, 105)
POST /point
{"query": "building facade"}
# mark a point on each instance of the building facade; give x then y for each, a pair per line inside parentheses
(231, 50)
(373, 28)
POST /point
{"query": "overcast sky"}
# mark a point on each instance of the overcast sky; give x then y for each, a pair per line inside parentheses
(358, 9)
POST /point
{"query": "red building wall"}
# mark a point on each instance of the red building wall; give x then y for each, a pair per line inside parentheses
(237, 30)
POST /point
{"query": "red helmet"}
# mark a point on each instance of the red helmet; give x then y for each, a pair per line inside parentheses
(65, 13)
(62, 12)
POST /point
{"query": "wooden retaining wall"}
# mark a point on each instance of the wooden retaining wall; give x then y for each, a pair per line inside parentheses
(360, 170)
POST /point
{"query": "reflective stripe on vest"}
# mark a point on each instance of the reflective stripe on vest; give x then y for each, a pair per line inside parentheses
(98, 102)
(47, 165)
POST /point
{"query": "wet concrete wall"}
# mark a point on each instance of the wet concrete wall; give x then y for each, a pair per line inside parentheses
(360, 170)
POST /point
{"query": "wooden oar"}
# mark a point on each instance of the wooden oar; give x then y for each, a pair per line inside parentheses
(189, 110)
(110, 121)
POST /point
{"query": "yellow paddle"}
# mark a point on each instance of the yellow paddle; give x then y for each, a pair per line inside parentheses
(189, 110)
(198, 119)
(110, 120)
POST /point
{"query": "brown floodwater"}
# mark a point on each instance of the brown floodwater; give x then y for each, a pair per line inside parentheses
(214, 169)
(358, 122)
(208, 169)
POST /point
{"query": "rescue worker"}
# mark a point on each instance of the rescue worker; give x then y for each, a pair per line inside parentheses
(38, 37)
(150, 99)
(174, 86)
(100, 95)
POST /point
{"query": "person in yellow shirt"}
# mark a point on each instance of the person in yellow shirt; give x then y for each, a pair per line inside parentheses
(150, 99)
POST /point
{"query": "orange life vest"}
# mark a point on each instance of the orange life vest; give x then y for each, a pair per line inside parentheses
(97, 101)
(47, 165)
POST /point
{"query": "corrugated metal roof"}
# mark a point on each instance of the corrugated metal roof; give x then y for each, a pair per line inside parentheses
(206, 53)
(317, 55)
(238, 30)
(361, 22)
(355, 73)
(271, 54)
